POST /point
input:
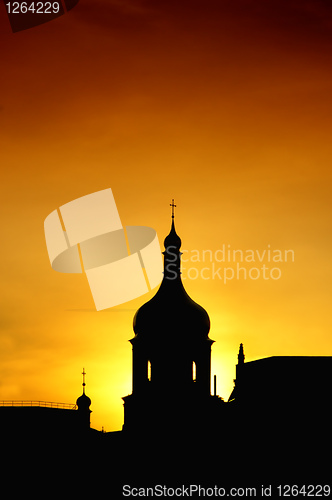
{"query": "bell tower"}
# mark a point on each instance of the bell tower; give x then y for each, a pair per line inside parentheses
(171, 354)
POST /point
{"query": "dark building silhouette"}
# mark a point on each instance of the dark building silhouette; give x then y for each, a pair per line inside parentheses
(277, 415)
(279, 381)
(27, 421)
(274, 428)
(290, 393)
(171, 357)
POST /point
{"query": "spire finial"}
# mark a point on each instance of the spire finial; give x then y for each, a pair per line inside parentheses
(173, 206)
(241, 355)
(83, 384)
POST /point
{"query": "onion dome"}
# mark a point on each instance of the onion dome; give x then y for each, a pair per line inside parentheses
(83, 402)
(171, 313)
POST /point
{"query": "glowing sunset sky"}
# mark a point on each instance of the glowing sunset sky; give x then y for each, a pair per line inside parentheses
(224, 105)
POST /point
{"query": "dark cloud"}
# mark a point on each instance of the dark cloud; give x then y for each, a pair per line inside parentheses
(292, 11)
(115, 15)
(294, 14)
(172, 22)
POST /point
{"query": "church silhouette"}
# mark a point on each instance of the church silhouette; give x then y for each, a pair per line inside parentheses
(171, 357)
(274, 428)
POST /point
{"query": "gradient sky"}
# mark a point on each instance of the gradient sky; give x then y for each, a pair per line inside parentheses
(224, 105)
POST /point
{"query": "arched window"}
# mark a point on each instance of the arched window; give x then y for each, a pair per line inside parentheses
(149, 371)
(194, 371)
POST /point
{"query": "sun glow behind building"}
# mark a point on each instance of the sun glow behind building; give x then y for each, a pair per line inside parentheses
(224, 105)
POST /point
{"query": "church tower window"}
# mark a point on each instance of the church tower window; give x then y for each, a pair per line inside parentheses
(194, 371)
(149, 371)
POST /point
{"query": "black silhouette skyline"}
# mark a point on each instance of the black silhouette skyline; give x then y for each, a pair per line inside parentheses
(174, 429)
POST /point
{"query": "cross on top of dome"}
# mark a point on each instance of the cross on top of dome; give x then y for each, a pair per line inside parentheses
(173, 206)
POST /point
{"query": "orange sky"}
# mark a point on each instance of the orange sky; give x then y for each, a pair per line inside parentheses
(223, 105)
